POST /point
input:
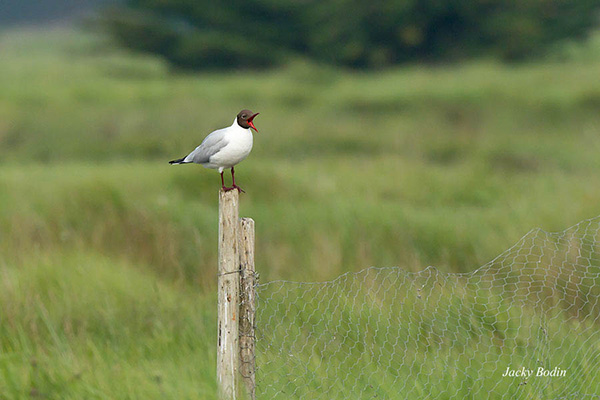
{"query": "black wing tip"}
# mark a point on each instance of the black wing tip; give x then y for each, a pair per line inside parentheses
(179, 161)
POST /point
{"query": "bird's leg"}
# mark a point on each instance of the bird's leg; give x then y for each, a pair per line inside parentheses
(233, 179)
(225, 188)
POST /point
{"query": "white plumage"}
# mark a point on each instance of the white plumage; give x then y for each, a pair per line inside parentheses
(224, 148)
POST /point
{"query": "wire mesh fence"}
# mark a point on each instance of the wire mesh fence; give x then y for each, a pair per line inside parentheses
(524, 326)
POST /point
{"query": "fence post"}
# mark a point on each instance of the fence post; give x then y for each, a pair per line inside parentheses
(247, 305)
(228, 295)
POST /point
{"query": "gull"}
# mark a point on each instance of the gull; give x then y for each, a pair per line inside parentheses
(224, 148)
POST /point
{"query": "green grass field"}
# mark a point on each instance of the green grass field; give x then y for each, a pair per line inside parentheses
(108, 254)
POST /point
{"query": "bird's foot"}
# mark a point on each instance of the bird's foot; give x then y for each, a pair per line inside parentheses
(227, 189)
(239, 189)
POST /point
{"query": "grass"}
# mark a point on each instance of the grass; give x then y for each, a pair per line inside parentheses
(108, 254)
(78, 325)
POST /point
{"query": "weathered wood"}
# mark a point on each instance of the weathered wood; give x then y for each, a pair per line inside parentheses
(247, 306)
(228, 296)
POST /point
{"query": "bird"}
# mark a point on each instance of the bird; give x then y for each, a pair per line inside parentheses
(225, 148)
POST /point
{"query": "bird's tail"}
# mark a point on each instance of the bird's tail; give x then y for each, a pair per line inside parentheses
(179, 161)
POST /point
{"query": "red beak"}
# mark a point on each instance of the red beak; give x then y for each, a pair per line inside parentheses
(250, 122)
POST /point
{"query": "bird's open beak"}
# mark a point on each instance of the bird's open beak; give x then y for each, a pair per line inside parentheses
(250, 122)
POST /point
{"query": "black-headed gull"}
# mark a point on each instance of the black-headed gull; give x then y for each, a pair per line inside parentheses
(225, 147)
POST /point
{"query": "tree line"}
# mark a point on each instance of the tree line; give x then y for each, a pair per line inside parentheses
(205, 34)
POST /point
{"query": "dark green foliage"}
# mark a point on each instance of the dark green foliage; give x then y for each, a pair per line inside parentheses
(197, 36)
(202, 34)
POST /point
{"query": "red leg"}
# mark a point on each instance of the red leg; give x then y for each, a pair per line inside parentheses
(225, 188)
(234, 186)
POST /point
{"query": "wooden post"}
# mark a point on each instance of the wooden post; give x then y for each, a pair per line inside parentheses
(247, 305)
(228, 296)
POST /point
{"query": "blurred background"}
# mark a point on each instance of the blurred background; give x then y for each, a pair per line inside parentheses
(391, 133)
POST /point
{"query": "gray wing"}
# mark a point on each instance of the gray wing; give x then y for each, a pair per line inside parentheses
(210, 146)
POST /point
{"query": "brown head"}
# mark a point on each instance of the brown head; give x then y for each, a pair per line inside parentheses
(244, 119)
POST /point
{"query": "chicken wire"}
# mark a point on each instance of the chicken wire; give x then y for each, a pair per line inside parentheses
(387, 333)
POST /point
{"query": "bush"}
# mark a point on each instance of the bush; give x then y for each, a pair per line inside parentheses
(202, 34)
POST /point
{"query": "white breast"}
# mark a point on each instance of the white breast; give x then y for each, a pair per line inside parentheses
(239, 145)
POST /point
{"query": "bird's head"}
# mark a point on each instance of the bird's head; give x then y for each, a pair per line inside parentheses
(244, 119)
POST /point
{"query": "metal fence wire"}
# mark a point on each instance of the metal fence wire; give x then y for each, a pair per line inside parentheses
(524, 326)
